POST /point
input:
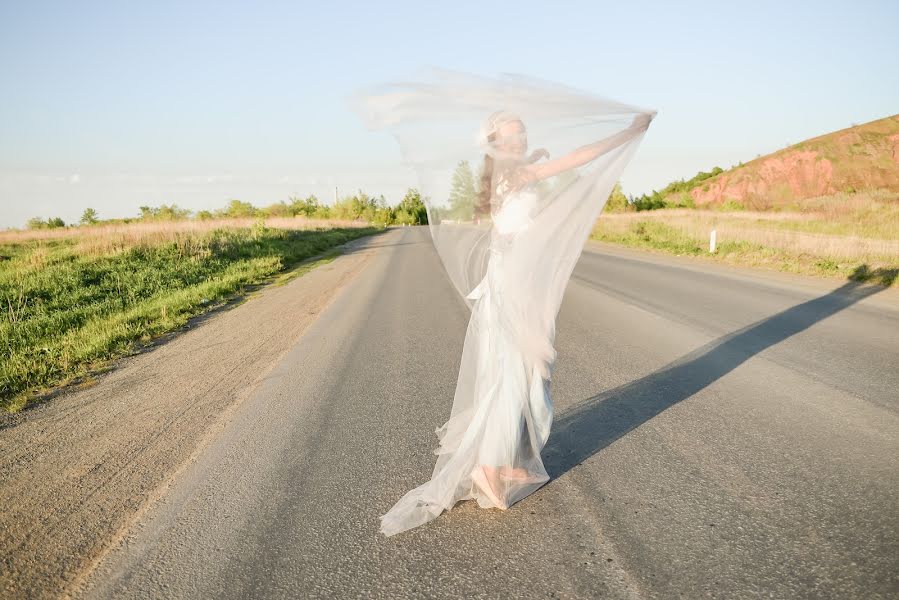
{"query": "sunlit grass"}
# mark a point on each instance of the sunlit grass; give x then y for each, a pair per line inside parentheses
(73, 300)
(829, 236)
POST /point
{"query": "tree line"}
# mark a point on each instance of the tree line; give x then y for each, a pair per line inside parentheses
(357, 207)
(465, 190)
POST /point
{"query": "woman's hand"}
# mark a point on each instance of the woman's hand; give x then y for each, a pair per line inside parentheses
(520, 178)
(642, 120)
(538, 154)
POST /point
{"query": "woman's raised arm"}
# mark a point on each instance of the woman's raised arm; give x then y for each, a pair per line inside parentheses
(587, 153)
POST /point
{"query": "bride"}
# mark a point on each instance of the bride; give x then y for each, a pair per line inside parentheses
(490, 447)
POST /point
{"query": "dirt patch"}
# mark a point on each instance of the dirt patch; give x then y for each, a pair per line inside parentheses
(802, 173)
(859, 158)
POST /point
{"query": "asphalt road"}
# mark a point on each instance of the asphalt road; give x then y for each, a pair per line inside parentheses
(717, 434)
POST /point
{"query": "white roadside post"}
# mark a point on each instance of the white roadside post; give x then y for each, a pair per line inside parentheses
(713, 241)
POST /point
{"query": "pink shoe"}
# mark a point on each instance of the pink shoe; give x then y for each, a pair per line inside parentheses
(480, 479)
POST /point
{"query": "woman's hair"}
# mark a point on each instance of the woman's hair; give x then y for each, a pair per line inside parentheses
(489, 130)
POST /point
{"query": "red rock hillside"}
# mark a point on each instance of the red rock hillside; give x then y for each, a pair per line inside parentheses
(858, 158)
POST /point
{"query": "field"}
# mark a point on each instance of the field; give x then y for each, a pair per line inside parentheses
(75, 298)
(844, 235)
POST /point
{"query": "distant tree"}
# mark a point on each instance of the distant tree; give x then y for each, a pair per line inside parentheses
(279, 209)
(171, 212)
(369, 207)
(402, 217)
(306, 207)
(676, 193)
(651, 202)
(204, 215)
(413, 206)
(617, 200)
(383, 215)
(89, 216)
(347, 208)
(463, 194)
(238, 208)
(359, 207)
(36, 223)
(55, 222)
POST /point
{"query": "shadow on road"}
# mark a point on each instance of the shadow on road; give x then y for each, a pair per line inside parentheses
(593, 424)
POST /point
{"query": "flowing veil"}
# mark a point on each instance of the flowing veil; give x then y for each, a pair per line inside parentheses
(442, 124)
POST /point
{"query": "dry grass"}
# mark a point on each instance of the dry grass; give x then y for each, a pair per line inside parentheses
(108, 239)
(152, 229)
(756, 229)
(829, 236)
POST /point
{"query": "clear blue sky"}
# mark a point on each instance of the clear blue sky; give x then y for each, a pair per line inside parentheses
(117, 104)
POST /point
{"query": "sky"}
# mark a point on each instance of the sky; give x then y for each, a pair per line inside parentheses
(114, 105)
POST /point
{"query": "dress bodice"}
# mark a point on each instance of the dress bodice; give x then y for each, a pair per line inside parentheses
(517, 210)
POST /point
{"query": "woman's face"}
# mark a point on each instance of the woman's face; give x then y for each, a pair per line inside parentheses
(512, 138)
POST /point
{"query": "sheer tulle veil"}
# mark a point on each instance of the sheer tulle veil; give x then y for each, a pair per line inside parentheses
(514, 172)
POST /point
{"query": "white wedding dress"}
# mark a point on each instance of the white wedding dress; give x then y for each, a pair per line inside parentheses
(512, 276)
(503, 412)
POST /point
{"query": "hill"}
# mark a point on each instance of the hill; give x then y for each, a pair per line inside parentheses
(863, 157)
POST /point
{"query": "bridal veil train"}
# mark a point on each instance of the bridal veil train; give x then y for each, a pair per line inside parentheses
(509, 224)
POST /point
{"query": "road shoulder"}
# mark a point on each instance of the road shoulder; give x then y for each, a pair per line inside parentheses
(887, 298)
(76, 471)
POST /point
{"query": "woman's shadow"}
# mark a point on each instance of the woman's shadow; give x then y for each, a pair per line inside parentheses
(591, 425)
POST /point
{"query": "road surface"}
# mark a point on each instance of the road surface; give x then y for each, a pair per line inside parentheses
(717, 434)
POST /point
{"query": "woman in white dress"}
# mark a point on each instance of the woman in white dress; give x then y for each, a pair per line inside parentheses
(490, 447)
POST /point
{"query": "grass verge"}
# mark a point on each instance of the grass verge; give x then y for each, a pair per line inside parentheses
(788, 242)
(71, 304)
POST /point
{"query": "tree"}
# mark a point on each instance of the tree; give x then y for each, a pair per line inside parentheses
(89, 216)
(279, 209)
(413, 208)
(347, 208)
(653, 202)
(383, 215)
(55, 222)
(359, 207)
(36, 223)
(322, 212)
(463, 194)
(307, 207)
(164, 212)
(238, 208)
(617, 200)
(402, 217)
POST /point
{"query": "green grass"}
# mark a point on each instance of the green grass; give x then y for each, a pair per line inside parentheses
(659, 236)
(67, 311)
(650, 234)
